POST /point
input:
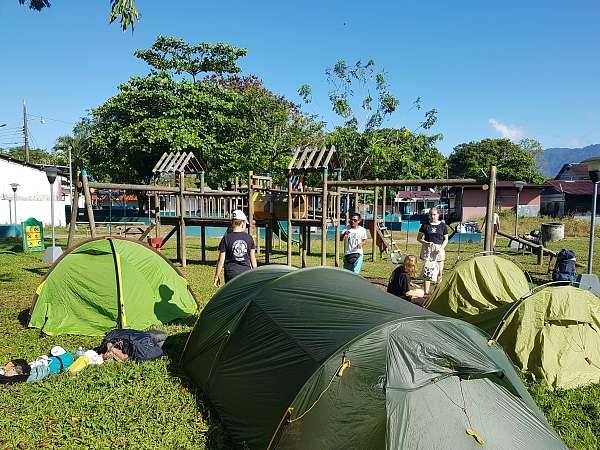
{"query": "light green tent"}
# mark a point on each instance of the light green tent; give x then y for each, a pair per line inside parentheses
(554, 334)
(479, 284)
(106, 283)
(319, 358)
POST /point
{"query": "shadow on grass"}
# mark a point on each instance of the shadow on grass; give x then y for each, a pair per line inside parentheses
(11, 245)
(23, 318)
(6, 278)
(37, 270)
(216, 437)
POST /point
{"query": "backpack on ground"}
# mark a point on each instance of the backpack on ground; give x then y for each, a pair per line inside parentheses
(564, 269)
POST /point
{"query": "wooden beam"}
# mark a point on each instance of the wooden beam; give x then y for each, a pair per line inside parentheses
(436, 182)
(491, 204)
(88, 202)
(324, 216)
(289, 221)
(74, 213)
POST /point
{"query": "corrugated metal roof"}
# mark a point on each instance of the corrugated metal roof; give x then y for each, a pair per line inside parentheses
(577, 187)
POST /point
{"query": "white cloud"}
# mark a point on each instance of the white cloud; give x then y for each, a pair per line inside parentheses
(512, 132)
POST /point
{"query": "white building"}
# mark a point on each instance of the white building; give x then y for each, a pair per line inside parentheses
(33, 193)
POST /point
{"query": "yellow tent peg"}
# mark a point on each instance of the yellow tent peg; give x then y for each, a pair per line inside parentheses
(475, 436)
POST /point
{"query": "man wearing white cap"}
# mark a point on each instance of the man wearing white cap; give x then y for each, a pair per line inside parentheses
(237, 250)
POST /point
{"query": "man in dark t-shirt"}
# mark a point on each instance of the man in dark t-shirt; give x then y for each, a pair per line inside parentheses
(237, 250)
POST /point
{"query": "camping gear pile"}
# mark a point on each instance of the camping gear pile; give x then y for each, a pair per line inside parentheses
(320, 358)
(551, 332)
(105, 283)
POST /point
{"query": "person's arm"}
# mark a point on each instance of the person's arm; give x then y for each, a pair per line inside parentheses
(421, 238)
(220, 264)
(364, 239)
(253, 262)
(343, 234)
(445, 241)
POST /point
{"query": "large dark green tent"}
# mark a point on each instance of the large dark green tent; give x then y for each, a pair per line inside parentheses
(319, 358)
(106, 283)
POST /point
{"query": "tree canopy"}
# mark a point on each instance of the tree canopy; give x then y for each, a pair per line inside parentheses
(513, 162)
(232, 124)
(387, 153)
(177, 56)
(123, 10)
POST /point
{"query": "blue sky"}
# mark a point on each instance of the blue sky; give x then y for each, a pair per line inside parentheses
(514, 68)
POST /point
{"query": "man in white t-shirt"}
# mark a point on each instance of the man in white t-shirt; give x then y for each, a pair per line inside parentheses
(354, 237)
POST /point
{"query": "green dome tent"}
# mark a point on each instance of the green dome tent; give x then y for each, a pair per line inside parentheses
(319, 358)
(479, 284)
(553, 333)
(106, 283)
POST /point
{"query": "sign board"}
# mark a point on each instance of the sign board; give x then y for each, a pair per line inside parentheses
(33, 235)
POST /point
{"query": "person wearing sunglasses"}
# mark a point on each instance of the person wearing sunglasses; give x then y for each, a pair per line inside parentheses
(355, 238)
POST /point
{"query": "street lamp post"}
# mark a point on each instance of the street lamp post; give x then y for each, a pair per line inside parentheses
(589, 280)
(519, 186)
(52, 253)
(14, 187)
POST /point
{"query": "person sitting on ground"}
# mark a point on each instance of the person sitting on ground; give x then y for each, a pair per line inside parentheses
(401, 284)
(355, 238)
(237, 250)
(122, 344)
(433, 237)
(15, 371)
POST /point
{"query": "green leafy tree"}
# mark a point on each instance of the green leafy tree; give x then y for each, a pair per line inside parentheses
(387, 153)
(175, 55)
(123, 10)
(536, 150)
(36, 155)
(78, 145)
(513, 162)
(233, 124)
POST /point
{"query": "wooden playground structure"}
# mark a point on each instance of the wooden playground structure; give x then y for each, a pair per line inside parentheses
(273, 208)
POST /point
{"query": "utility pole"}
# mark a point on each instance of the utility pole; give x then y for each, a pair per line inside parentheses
(25, 132)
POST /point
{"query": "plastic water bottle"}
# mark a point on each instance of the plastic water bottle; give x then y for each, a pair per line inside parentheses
(80, 352)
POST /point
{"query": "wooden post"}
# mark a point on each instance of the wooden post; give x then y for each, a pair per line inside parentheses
(356, 203)
(338, 219)
(268, 241)
(74, 212)
(308, 241)
(383, 201)
(88, 203)
(203, 242)
(202, 183)
(289, 221)
(251, 227)
(375, 207)
(182, 233)
(489, 221)
(303, 245)
(157, 214)
(324, 219)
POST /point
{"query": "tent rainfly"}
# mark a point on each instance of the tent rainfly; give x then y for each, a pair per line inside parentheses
(320, 358)
(553, 333)
(479, 284)
(106, 283)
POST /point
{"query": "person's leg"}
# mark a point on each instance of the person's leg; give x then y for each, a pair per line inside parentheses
(440, 271)
(348, 266)
(426, 286)
(358, 264)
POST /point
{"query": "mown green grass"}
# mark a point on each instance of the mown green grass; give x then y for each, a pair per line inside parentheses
(154, 405)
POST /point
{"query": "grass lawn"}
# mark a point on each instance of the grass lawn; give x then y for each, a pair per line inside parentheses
(153, 405)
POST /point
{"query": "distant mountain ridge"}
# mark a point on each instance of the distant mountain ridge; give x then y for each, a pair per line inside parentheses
(555, 158)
